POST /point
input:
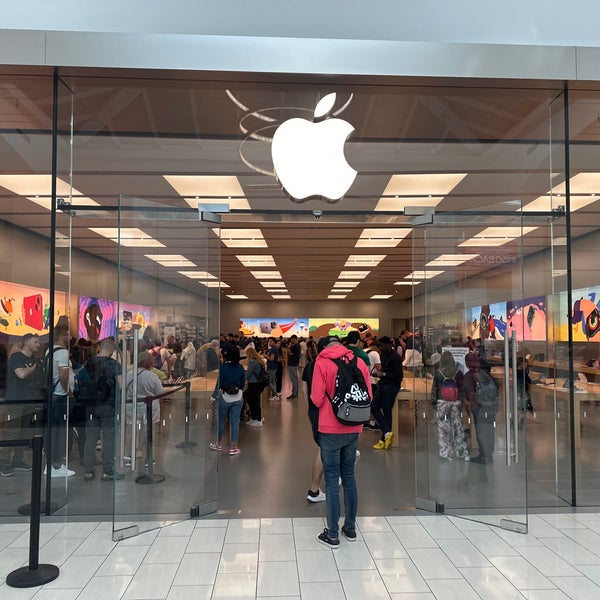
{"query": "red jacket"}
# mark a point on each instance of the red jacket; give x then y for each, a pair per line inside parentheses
(324, 381)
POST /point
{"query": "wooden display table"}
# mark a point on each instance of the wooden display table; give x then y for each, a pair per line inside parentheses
(413, 388)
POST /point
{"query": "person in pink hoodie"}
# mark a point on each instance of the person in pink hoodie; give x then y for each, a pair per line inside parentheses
(338, 444)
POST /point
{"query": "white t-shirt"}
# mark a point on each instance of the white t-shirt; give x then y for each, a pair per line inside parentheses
(374, 359)
(61, 359)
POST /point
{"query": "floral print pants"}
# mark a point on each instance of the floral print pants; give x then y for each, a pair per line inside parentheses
(451, 435)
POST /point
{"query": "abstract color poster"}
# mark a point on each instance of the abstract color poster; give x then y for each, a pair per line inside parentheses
(585, 314)
(274, 327)
(342, 327)
(527, 318)
(131, 315)
(97, 318)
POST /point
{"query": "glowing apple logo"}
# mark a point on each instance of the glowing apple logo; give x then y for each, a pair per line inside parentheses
(308, 156)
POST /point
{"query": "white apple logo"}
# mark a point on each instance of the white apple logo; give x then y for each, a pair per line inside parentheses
(308, 156)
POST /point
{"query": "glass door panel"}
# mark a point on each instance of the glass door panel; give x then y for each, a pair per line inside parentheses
(468, 300)
(168, 275)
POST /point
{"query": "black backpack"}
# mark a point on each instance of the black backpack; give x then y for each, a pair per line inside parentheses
(94, 386)
(351, 401)
(487, 392)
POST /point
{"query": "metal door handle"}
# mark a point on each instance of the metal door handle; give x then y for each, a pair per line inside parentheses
(515, 395)
(507, 402)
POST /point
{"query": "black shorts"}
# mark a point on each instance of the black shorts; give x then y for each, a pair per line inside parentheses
(313, 417)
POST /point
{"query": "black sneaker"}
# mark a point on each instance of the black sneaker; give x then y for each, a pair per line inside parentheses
(89, 476)
(349, 534)
(327, 541)
(19, 465)
(372, 426)
(6, 472)
(111, 476)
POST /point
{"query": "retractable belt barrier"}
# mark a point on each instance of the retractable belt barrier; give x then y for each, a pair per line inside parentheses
(34, 574)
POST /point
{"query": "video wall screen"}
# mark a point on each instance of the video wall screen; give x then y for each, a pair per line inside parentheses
(585, 315)
(304, 326)
(25, 309)
(131, 315)
(97, 318)
(527, 318)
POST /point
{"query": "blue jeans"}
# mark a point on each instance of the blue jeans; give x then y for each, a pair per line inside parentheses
(233, 410)
(273, 381)
(383, 402)
(293, 373)
(338, 453)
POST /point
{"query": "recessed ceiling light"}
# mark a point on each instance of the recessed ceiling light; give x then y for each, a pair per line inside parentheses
(407, 282)
(128, 236)
(242, 238)
(272, 284)
(209, 189)
(214, 284)
(423, 274)
(266, 274)
(496, 236)
(256, 260)
(237, 296)
(353, 274)
(336, 296)
(276, 290)
(341, 290)
(281, 297)
(346, 284)
(170, 260)
(367, 260)
(547, 203)
(197, 274)
(384, 237)
(381, 296)
(451, 260)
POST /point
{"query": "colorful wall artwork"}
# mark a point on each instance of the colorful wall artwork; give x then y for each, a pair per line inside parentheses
(341, 327)
(25, 309)
(97, 318)
(487, 321)
(270, 326)
(527, 318)
(134, 314)
(585, 315)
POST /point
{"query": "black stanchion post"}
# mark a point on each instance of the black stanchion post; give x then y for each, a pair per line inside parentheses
(186, 442)
(149, 478)
(34, 574)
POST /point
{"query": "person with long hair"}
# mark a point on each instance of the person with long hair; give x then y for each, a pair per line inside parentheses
(446, 396)
(254, 390)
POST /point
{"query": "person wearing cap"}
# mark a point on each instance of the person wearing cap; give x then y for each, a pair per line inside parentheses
(338, 444)
(352, 343)
(22, 372)
(390, 378)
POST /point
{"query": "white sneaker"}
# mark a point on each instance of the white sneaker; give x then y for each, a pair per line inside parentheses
(254, 423)
(320, 497)
(62, 471)
(357, 452)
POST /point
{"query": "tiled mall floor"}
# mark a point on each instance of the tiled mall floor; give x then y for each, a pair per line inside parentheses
(400, 557)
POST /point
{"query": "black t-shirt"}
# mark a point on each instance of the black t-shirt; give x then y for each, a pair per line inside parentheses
(21, 389)
(294, 352)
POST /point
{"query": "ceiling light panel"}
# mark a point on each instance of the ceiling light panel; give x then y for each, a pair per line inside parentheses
(243, 238)
(237, 296)
(366, 260)
(276, 290)
(214, 284)
(128, 236)
(373, 237)
(256, 260)
(272, 284)
(345, 284)
(266, 274)
(282, 297)
(496, 236)
(209, 189)
(336, 296)
(548, 203)
(451, 260)
(341, 290)
(197, 274)
(423, 274)
(353, 274)
(407, 282)
(381, 296)
(171, 260)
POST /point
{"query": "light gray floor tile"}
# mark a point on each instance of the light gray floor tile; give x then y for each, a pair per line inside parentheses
(489, 544)
(359, 585)
(77, 572)
(417, 596)
(63, 594)
(384, 545)
(579, 588)
(123, 560)
(522, 574)
(590, 571)
(212, 523)
(190, 592)
(241, 586)
(547, 562)
(544, 595)
(468, 524)
(197, 569)
(274, 526)
(562, 521)
(353, 556)
(440, 528)
(151, 582)
(7, 537)
(306, 537)
(143, 539)
(462, 553)
(243, 531)
(76, 530)
(373, 525)
(490, 584)
(308, 522)
(10, 593)
(541, 528)
(571, 551)
(586, 537)
(278, 547)
(413, 535)
(207, 539)
(96, 543)
(184, 528)
(322, 591)
(514, 539)
(107, 588)
(166, 550)
(402, 520)
(239, 558)
(317, 567)
(433, 563)
(452, 589)
(400, 575)
(277, 579)
(58, 550)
